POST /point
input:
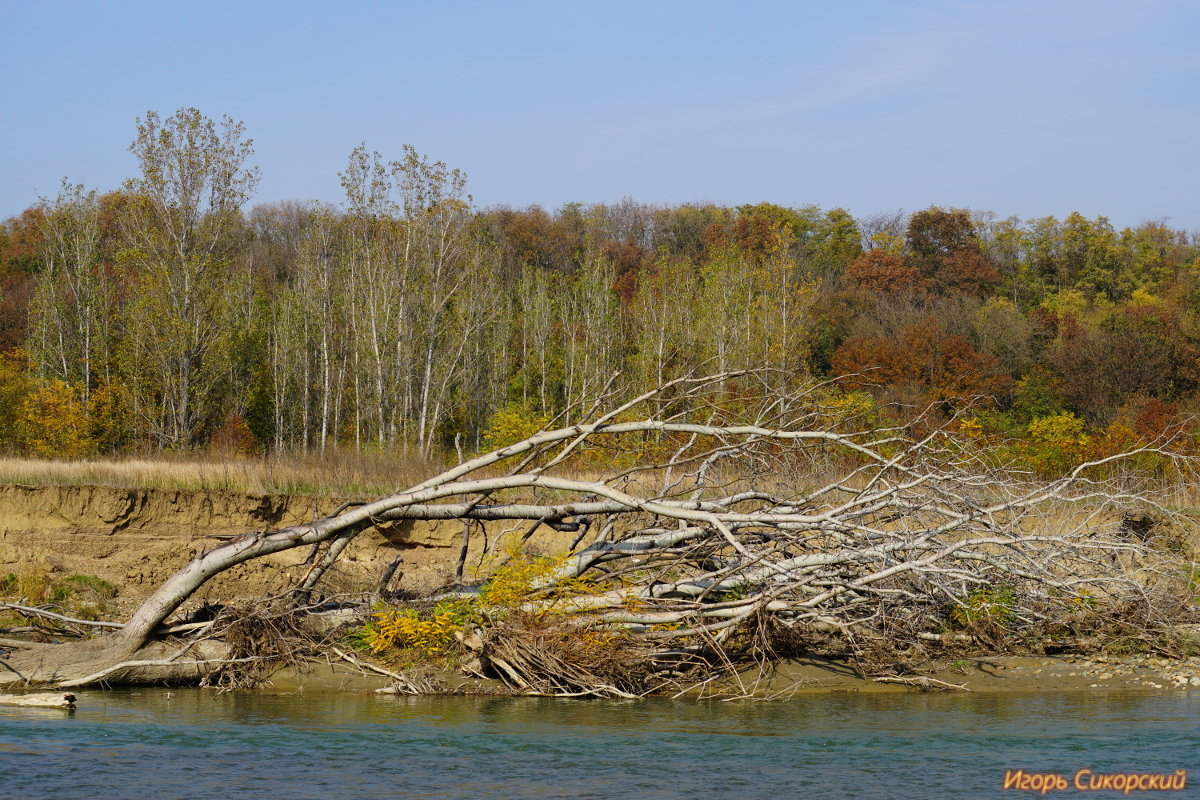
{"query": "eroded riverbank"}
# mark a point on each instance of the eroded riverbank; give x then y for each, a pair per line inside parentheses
(135, 537)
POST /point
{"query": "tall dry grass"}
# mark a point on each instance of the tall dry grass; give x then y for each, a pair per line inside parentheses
(340, 473)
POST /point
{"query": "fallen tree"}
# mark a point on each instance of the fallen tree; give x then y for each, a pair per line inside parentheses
(720, 520)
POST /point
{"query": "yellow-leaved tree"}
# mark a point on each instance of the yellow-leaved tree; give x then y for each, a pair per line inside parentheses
(52, 421)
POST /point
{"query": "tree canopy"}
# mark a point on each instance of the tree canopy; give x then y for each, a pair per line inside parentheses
(172, 314)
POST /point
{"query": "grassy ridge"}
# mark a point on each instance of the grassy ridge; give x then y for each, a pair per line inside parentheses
(342, 473)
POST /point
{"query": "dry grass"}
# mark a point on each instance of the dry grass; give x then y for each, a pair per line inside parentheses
(341, 473)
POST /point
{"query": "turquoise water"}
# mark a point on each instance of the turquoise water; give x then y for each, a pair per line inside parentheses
(197, 744)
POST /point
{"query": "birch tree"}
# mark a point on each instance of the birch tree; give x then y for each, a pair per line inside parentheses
(437, 251)
(377, 285)
(181, 233)
(71, 325)
(592, 331)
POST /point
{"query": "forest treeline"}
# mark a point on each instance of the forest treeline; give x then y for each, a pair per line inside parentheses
(169, 313)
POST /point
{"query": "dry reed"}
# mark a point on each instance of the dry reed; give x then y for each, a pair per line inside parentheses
(342, 473)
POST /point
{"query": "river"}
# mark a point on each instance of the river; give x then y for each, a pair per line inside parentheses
(196, 744)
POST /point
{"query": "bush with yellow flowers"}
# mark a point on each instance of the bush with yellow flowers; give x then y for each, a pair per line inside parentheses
(520, 584)
(404, 628)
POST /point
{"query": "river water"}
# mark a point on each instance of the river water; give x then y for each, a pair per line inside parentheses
(197, 744)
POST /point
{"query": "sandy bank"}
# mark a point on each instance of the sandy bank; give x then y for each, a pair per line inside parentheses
(822, 676)
(136, 538)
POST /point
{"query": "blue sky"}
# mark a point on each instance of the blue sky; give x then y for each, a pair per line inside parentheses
(1021, 108)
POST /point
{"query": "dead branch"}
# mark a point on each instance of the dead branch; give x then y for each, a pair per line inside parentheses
(925, 683)
(722, 515)
(29, 611)
(40, 700)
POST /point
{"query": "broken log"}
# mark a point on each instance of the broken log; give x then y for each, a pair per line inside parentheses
(40, 700)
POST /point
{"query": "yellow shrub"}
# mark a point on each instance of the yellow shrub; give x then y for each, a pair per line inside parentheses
(991, 603)
(970, 427)
(1058, 430)
(521, 584)
(53, 422)
(404, 628)
(511, 424)
(523, 581)
(853, 409)
(516, 580)
(1056, 443)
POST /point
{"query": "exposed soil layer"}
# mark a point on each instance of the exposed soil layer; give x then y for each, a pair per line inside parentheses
(136, 538)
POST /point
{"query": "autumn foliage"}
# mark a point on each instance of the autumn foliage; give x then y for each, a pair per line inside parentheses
(927, 360)
(412, 318)
(881, 272)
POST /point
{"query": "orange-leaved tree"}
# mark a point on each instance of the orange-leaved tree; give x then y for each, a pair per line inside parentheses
(925, 356)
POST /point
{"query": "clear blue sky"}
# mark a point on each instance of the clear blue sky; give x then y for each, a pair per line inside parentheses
(1026, 107)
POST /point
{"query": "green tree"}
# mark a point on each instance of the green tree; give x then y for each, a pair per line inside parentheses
(182, 230)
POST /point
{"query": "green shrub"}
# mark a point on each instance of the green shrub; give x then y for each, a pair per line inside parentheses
(82, 584)
(985, 603)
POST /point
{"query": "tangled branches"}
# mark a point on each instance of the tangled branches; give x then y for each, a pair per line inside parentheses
(723, 519)
(539, 656)
(872, 541)
(260, 638)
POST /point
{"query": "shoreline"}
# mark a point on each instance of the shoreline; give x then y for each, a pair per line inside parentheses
(815, 676)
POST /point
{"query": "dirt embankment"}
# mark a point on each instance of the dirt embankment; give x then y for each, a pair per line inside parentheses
(135, 538)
